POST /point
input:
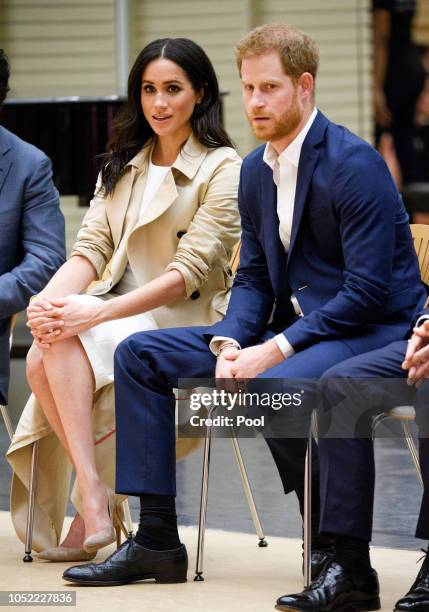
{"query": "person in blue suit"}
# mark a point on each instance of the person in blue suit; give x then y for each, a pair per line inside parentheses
(351, 394)
(327, 271)
(31, 227)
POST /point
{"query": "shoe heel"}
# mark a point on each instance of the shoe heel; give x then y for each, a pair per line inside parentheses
(362, 606)
(171, 579)
(175, 575)
(372, 604)
(119, 528)
(118, 535)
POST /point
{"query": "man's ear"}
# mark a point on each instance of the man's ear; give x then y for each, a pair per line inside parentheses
(306, 85)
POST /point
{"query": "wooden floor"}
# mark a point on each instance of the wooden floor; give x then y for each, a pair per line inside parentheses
(239, 576)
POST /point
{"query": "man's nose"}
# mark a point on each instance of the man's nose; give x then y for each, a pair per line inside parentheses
(257, 100)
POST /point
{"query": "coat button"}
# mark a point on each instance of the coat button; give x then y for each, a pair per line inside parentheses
(195, 295)
(229, 271)
(180, 233)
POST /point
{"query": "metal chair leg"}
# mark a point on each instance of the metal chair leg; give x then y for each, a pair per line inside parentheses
(376, 422)
(203, 506)
(31, 500)
(413, 451)
(307, 512)
(248, 490)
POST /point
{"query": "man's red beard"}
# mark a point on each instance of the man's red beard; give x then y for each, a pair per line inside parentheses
(278, 128)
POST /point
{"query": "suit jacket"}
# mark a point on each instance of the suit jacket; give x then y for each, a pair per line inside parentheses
(32, 242)
(191, 225)
(351, 260)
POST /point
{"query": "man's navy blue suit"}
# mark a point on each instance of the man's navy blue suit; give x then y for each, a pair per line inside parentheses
(369, 383)
(32, 241)
(351, 265)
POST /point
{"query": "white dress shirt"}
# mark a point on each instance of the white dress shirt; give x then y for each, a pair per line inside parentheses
(285, 173)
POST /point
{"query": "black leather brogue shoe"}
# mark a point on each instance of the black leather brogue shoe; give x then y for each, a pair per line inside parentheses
(130, 563)
(335, 589)
(319, 560)
(417, 598)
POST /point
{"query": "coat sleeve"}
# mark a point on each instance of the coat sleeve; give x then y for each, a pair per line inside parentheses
(214, 229)
(252, 296)
(94, 239)
(367, 214)
(42, 241)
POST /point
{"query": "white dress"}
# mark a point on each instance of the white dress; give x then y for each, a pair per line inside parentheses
(100, 342)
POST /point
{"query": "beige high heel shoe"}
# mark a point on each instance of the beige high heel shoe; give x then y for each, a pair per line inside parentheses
(65, 554)
(109, 534)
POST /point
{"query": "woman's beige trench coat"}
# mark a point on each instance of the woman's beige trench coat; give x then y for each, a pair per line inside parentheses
(191, 225)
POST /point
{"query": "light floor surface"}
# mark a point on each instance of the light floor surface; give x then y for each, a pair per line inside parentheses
(239, 576)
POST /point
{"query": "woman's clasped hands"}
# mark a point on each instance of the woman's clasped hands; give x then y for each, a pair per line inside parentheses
(54, 319)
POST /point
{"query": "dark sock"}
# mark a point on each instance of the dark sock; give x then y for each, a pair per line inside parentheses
(320, 541)
(158, 522)
(352, 554)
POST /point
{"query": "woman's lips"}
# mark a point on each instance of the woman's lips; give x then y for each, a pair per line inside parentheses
(159, 118)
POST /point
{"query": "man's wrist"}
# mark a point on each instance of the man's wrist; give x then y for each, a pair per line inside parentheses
(274, 350)
(227, 345)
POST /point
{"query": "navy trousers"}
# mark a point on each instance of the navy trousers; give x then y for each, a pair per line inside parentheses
(148, 366)
(347, 472)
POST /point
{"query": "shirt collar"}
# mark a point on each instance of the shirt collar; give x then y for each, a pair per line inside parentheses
(188, 161)
(293, 150)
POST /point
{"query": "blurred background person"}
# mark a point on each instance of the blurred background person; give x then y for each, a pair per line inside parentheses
(31, 227)
(399, 78)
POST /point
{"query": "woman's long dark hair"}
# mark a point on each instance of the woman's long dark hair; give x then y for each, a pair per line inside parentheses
(131, 131)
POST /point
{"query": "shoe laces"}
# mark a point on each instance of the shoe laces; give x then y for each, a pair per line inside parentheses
(423, 573)
(424, 556)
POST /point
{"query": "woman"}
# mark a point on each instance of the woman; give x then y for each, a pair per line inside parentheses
(156, 241)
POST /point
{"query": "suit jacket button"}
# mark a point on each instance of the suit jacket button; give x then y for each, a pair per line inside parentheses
(195, 295)
(180, 233)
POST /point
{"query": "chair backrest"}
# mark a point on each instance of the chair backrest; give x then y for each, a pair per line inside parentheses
(235, 257)
(420, 235)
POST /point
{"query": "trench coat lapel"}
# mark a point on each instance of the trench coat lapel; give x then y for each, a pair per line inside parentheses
(117, 205)
(187, 163)
(161, 201)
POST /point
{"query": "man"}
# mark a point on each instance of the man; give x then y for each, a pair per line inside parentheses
(351, 394)
(316, 239)
(31, 227)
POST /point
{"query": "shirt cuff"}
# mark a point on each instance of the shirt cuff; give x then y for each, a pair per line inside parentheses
(284, 345)
(217, 342)
(421, 319)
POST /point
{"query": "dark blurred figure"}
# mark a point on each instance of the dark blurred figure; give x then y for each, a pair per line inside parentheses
(31, 227)
(399, 78)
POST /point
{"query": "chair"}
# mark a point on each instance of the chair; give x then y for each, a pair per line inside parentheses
(406, 414)
(3, 409)
(262, 543)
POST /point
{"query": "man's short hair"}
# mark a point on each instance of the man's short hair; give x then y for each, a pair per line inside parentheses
(4, 76)
(298, 52)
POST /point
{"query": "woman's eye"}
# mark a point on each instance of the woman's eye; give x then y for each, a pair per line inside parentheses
(173, 88)
(148, 88)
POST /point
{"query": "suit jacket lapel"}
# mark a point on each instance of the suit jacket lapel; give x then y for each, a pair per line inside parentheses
(307, 162)
(5, 163)
(274, 249)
